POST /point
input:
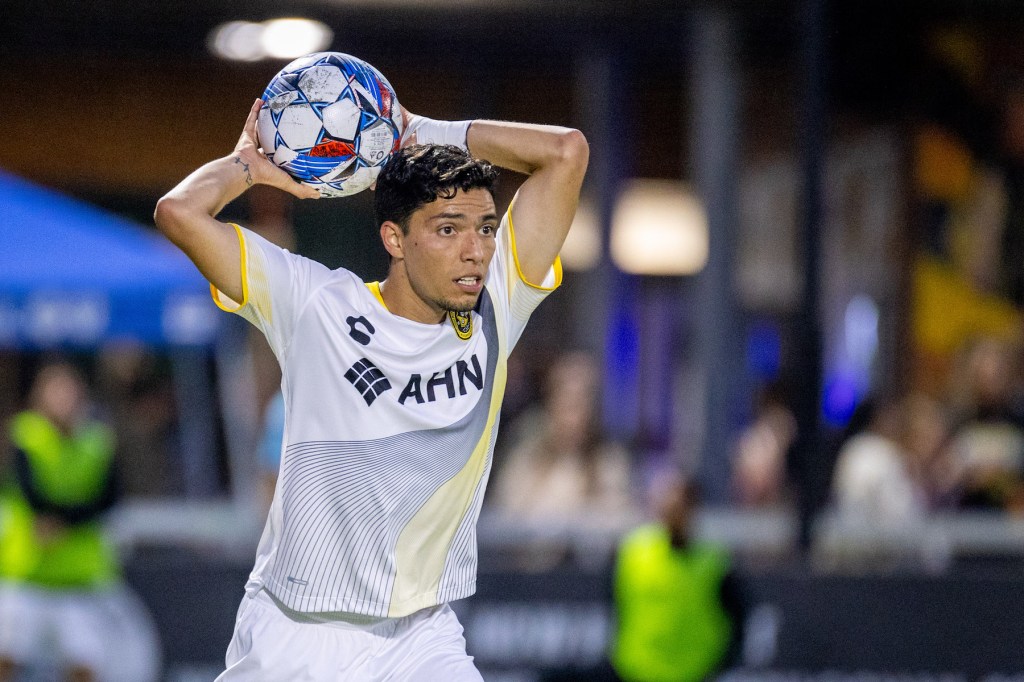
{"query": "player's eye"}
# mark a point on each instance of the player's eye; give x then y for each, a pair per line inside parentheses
(446, 229)
(487, 230)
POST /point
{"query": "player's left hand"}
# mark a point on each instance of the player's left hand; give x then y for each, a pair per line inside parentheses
(408, 137)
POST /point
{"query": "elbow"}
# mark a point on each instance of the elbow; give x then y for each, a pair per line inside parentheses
(169, 216)
(573, 151)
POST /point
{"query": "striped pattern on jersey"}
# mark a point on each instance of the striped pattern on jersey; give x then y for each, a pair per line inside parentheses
(361, 530)
(461, 567)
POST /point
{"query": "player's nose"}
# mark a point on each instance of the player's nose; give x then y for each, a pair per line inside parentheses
(473, 248)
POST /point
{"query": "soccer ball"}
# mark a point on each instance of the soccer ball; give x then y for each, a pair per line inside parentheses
(332, 121)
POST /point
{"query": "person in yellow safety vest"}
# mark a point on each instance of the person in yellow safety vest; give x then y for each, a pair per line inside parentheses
(677, 614)
(52, 547)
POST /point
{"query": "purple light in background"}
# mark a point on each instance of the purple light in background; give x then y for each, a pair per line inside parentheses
(764, 350)
(842, 394)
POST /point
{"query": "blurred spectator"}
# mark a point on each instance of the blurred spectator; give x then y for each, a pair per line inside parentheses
(967, 202)
(759, 475)
(558, 464)
(136, 390)
(926, 441)
(876, 484)
(61, 602)
(678, 616)
(987, 448)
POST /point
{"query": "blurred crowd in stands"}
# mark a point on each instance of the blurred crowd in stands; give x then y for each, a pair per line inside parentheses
(131, 389)
(944, 432)
(946, 435)
(900, 457)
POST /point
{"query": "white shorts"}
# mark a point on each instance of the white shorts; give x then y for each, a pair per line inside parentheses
(270, 645)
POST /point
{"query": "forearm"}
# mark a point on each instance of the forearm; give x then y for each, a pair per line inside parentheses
(185, 217)
(524, 147)
(186, 214)
(206, 191)
(190, 206)
(555, 159)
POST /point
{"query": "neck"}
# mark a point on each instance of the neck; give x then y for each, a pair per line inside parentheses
(64, 426)
(679, 539)
(402, 300)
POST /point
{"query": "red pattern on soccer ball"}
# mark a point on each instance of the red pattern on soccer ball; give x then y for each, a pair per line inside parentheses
(330, 148)
(385, 99)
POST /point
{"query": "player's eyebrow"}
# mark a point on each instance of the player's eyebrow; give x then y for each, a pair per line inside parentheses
(455, 215)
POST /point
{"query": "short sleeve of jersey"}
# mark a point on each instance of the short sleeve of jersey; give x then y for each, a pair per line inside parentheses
(517, 297)
(276, 285)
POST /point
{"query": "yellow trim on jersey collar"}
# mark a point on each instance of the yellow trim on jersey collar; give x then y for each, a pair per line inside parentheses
(515, 258)
(216, 294)
(374, 288)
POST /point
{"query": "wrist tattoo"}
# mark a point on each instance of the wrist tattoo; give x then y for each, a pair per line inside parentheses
(245, 169)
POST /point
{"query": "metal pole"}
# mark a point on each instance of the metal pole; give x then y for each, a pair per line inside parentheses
(606, 324)
(197, 430)
(714, 141)
(812, 465)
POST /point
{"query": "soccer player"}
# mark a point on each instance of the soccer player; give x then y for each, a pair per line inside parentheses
(391, 389)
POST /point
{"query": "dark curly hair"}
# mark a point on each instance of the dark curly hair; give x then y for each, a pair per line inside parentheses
(417, 175)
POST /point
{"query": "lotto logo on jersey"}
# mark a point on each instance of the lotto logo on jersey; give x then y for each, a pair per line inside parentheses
(368, 380)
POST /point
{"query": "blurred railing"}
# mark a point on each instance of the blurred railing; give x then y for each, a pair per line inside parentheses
(929, 544)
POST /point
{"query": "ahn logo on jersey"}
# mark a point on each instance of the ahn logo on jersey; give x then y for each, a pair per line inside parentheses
(462, 373)
(368, 380)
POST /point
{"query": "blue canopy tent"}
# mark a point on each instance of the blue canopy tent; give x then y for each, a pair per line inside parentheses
(74, 275)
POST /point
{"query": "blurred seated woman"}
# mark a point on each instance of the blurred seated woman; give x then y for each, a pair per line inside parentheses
(558, 465)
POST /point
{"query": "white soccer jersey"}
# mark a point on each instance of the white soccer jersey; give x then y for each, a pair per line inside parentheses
(389, 431)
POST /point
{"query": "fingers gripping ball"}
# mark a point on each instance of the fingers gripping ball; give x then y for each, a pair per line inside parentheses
(331, 121)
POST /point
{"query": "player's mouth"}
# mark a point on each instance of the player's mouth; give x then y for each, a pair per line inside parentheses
(470, 284)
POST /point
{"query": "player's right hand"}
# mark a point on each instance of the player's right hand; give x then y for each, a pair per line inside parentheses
(258, 168)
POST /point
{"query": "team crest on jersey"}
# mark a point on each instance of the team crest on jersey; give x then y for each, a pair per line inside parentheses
(463, 323)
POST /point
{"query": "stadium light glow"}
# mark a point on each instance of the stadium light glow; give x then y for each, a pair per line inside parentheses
(284, 38)
(659, 227)
(582, 248)
(238, 41)
(291, 38)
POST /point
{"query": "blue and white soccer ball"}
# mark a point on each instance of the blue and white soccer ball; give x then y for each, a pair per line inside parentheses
(332, 121)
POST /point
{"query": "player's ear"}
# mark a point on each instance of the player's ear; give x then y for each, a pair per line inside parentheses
(391, 234)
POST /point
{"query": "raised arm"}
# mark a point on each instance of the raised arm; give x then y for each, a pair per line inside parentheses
(186, 215)
(555, 159)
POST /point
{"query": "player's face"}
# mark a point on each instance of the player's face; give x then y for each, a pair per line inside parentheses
(449, 248)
